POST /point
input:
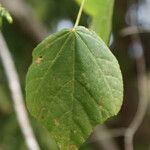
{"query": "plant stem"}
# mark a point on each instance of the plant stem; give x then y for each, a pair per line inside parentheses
(142, 87)
(79, 14)
(17, 96)
(143, 96)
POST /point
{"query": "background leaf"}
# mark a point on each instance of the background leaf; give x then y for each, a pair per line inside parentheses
(101, 12)
(4, 13)
(73, 84)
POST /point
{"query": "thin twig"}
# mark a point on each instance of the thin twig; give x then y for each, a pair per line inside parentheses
(104, 139)
(79, 14)
(105, 133)
(141, 81)
(142, 90)
(17, 96)
(133, 30)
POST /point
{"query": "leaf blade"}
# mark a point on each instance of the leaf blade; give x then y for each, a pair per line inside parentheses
(73, 95)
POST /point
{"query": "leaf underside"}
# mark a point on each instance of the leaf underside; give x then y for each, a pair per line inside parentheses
(73, 84)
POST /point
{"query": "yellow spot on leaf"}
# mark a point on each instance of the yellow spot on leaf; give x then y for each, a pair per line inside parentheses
(46, 46)
(73, 147)
(38, 60)
(101, 106)
(56, 122)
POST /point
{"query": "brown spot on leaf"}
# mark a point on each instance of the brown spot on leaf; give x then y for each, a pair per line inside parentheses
(38, 60)
(42, 113)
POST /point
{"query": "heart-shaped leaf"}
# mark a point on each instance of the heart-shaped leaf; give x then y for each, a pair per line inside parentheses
(73, 84)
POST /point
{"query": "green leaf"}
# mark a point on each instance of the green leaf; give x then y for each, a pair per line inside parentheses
(73, 84)
(4, 13)
(101, 12)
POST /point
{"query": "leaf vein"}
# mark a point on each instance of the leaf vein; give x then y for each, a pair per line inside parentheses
(53, 62)
(103, 75)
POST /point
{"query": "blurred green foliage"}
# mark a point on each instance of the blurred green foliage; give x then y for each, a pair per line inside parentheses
(101, 12)
(4, 14)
